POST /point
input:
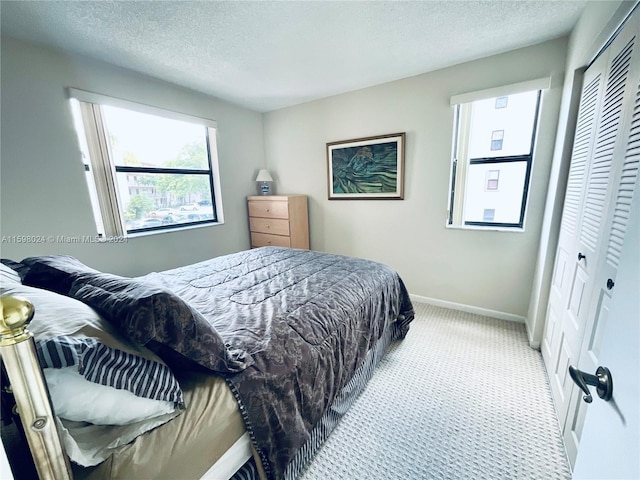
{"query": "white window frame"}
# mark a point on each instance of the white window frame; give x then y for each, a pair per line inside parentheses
(101, 170)
(460, 159)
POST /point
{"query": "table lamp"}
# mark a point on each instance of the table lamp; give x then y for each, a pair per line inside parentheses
(264, 178)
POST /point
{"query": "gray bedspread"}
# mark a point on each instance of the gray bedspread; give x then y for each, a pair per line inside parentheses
(307, 319)
(295, 333)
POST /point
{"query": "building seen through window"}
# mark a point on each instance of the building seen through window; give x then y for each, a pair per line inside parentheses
(492, 160)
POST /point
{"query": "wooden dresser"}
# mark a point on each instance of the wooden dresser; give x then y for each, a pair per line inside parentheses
(278, 220)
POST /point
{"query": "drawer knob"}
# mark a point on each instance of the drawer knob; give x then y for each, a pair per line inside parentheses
(268, 226)
(269, 242)
(266, 210)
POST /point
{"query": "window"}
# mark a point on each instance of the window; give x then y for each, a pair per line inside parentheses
(502, 102)
(492, 180)
(496, 139)
(488, 214)
(147, 169)
(492, 158)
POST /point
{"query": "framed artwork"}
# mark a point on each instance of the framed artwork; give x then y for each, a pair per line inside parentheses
(366, 168)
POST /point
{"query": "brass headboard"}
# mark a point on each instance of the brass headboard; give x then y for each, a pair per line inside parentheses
(18, 352)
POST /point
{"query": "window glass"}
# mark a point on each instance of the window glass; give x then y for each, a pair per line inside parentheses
(492, 160)
(497, 136)
(514, 121)
(492, 180)
(140, 139)
(146, 171)
(488, 214)
(145, 196)
(505, 202)
(502, 102)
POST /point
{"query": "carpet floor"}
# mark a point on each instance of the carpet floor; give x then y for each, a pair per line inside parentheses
(461, 397)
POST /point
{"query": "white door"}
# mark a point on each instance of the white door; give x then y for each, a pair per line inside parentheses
(599, 145)
(610, 442)
(616, 173)
(601, 182)
(561, 341)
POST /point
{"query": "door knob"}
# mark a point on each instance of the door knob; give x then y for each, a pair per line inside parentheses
(581, 256)
(602, 380)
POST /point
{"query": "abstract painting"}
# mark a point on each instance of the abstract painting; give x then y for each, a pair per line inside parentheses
(366, 168)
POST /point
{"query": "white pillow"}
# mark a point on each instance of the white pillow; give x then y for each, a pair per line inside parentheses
(8, 275)
(78, 399)
(56, 315)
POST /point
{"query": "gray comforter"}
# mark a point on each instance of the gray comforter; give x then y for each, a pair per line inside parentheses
(289, 329)
(307, 319)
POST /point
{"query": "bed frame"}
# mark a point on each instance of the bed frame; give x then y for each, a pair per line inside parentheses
(29, 389)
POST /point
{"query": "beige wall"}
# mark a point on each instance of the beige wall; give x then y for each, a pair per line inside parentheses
(486, 269)
(43, 191)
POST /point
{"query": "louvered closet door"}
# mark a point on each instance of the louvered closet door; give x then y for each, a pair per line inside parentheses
(594, 176)
(561, 340)
(622, 182)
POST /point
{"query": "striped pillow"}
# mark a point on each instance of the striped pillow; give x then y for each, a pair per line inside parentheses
(114, 368)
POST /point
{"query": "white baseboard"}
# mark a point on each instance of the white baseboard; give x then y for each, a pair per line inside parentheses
(535, 344)
(468, 308)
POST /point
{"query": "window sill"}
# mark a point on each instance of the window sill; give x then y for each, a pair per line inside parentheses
(486, 228)
(172, 230)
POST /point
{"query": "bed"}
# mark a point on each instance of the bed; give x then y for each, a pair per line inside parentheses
(259, 353)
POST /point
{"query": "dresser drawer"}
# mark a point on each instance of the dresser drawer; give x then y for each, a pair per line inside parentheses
(275, 226)
(267, 240)
(268, 209)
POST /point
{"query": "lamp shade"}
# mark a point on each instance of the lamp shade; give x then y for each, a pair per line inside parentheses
(264, 176)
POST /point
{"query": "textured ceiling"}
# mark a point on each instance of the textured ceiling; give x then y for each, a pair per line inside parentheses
(267, 55)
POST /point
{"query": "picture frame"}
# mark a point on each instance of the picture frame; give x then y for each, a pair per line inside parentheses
(366, 168)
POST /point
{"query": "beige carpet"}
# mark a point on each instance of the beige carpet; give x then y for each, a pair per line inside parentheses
(461, 397)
